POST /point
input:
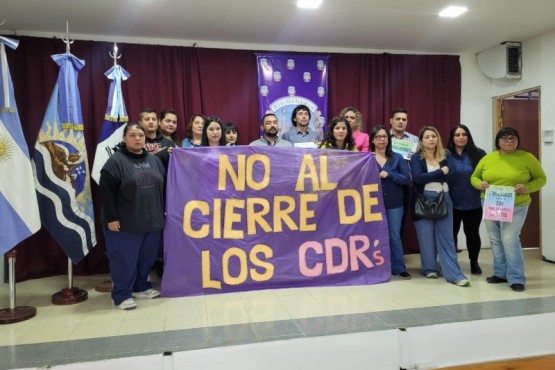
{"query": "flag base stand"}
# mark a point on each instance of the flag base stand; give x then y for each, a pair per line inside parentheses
(13, 313)
(17, 314)
(104, 287)
(71, 294)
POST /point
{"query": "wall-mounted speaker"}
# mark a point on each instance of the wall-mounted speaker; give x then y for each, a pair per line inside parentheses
(502, 61)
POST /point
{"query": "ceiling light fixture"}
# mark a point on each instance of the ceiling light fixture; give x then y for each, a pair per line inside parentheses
(453, 11)
(309, 4)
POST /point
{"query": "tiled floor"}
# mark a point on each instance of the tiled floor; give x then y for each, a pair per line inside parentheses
(95, 330)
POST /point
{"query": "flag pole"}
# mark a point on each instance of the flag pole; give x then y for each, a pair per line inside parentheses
(106, 286)
(71, 294)
(9, 120)
(14, 313)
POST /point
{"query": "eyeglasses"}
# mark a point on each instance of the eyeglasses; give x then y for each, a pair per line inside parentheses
(380, 137)
(509, 138)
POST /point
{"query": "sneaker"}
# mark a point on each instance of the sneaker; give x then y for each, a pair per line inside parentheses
(403, 275)
(149, 294)
(518, 287)
(128, 304)
(495, 280)
(432, 275)
(462, 283)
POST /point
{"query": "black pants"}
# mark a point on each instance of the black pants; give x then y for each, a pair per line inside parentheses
(471, 226)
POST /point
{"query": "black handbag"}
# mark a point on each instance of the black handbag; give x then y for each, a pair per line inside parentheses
(430, 209)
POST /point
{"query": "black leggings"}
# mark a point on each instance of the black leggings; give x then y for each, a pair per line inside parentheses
(471, 220)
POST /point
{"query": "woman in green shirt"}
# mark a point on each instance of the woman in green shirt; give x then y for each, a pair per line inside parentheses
(509, 166)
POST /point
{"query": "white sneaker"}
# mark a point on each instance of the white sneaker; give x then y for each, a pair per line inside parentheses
(150, 293)
(128, 304)
(463, 283)
(431, 275)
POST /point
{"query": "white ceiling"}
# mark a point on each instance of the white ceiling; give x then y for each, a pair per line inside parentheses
(404, 25)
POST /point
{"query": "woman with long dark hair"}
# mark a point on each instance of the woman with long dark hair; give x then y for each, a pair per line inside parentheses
(168, 125)
(231, 134)
(212, 132)
(467, 206)
(339, 135)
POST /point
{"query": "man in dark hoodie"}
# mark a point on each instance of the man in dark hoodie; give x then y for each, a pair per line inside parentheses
(156, 143)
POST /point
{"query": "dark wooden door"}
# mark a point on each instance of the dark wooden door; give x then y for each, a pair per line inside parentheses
(523, 114)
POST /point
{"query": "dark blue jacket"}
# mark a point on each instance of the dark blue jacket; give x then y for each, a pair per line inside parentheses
(398, 175)
(463, 194)
(421, 176)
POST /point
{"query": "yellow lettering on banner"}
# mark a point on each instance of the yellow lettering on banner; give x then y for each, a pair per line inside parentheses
(237, 178)
(250, 170)
(325, 185)
(282, 215)
(267, 266)
(370, 201)
(243, 271)
(312, 175)
(244, 172)
(344, 218)
(232, 217)
(207, 282)
(308, 171)
(305, 213)
(257, 218)
(217, 219)
(187, 216)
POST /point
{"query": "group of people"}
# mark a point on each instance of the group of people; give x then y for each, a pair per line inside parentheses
(133, 189)
(208, 131)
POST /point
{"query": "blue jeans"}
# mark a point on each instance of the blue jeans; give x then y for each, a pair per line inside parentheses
(131, 257)
(394, 219)
(504, 237)
(436, 239)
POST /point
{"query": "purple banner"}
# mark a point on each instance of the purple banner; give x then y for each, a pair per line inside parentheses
(288, 80)
(245, 218)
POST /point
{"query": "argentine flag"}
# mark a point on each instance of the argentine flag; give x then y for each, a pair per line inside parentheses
(114, 121)
(61, 166)
(19, 213)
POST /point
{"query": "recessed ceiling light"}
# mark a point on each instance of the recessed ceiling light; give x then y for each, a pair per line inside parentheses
(309, 4)
(453, 11)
